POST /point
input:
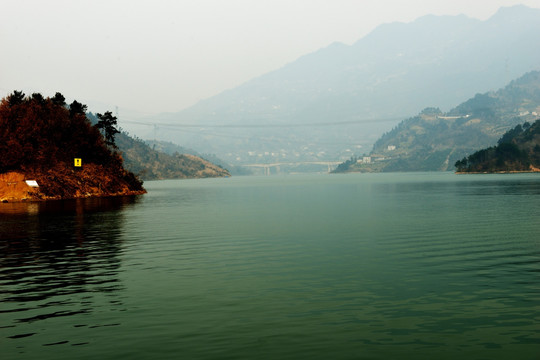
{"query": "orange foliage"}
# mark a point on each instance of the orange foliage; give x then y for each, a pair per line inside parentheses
(38, 132)
(41, 137)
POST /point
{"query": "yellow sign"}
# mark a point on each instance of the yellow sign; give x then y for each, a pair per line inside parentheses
(78, 162)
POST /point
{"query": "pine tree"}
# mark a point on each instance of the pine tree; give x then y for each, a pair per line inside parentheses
(107, 123)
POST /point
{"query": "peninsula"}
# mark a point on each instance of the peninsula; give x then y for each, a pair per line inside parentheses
(50, 150)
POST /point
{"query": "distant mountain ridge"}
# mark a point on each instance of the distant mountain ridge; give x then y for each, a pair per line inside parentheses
(393, 72)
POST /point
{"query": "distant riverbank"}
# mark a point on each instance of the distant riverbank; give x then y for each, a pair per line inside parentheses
(531, 170)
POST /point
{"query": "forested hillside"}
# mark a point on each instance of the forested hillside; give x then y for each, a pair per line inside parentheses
(40, 138)
(434, 141)
(518, 150)
(173, 149)
(151, 164)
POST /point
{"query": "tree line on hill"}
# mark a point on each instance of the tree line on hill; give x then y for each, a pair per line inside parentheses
(38, 133)
(517, 150)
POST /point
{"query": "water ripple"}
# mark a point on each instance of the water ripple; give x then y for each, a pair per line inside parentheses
(376, 266)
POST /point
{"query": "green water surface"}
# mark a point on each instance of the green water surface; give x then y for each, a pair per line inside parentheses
(362, 266)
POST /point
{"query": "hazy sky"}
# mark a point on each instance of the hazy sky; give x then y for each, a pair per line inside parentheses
(153, 56)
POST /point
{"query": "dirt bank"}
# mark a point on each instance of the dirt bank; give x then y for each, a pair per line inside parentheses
(63, 182)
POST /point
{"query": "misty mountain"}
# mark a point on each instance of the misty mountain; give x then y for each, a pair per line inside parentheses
(338, 100)
(434, 140)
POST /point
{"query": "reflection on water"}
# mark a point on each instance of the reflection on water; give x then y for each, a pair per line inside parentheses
(465, 185)
(53, 257)
(378, 266)
(103, 204)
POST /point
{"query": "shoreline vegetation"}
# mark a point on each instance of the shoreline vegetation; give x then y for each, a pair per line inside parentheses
(40, 140)
(531, 171)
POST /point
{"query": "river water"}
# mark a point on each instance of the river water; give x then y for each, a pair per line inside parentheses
(361, 266)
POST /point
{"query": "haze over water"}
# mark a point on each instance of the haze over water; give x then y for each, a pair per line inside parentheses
(376, 266)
